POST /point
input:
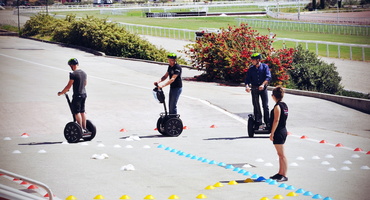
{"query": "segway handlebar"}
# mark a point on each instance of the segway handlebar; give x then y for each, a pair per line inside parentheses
(157, 86)
(158, 94)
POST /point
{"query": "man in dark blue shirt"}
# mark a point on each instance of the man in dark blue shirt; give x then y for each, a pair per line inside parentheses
(257, 78)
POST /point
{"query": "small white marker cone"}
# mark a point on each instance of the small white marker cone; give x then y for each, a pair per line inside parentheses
(135, 137)
(365, 167)
(7, 138)
(329, 156)
(325, 163)
(101, 145)
(332, 169)
(117, 146)
(345, 168)
(16, 152)
(300, 158)
(41, 151)
(268, 164)
(315, 157)
(347, 162)
(247, 166)
(355, 156)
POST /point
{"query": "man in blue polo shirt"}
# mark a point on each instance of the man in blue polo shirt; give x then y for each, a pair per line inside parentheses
(256, 81)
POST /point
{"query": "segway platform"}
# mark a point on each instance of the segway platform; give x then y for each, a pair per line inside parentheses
(167, 124)
(255, 128)
(73, 131)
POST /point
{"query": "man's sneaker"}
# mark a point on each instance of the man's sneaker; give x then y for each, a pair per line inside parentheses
(283, 178)
(276, 176)
(85, 131)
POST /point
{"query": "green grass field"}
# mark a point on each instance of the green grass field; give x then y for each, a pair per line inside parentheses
(195, 23)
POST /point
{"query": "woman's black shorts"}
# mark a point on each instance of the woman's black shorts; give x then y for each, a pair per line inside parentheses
(280, 136)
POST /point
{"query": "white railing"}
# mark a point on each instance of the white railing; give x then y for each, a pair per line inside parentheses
(327, 44)
(186, 34)
(310, 17)
(184, 5)
(17, 194)
(340, 29)
(175, 33)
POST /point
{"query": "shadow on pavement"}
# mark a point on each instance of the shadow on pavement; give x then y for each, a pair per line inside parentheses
(40, 143)
(238, 138)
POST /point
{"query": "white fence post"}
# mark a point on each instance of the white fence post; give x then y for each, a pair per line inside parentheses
(338, 51)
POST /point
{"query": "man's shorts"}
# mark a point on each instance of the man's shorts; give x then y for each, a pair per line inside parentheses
(280, 136)
(78, 104)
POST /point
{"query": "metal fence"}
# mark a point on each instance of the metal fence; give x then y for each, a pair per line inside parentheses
(338, 47)
(339, 29)
(175, 33)
(331, 49)
(318, 18)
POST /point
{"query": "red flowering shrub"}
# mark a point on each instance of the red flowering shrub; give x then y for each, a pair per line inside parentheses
(226, 55)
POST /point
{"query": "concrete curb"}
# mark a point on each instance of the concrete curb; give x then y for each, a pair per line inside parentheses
(362, 105)
(7, 33)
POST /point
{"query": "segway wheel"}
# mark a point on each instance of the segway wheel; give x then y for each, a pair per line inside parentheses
(251, 127)
(160, 125)
(91, 131)
(173, 127)
(73, 132)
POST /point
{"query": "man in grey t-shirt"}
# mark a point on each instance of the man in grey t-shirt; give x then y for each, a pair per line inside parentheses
(77, 79)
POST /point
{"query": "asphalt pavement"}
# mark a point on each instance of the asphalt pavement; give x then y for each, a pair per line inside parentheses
(326, 151)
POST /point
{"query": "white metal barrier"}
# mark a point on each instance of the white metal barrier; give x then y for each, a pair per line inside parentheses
(175, 33)
(340, 29)
(186, 34)
(306, 42)
(20, 195)
(160, 6)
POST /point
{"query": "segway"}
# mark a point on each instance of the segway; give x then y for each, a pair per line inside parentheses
(167, 124)
(256, 128)
(73, 131)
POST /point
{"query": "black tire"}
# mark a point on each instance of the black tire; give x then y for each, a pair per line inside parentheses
(73, 132)
(90, 128)
(173, 127)
(250, 127)
(160, 125)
